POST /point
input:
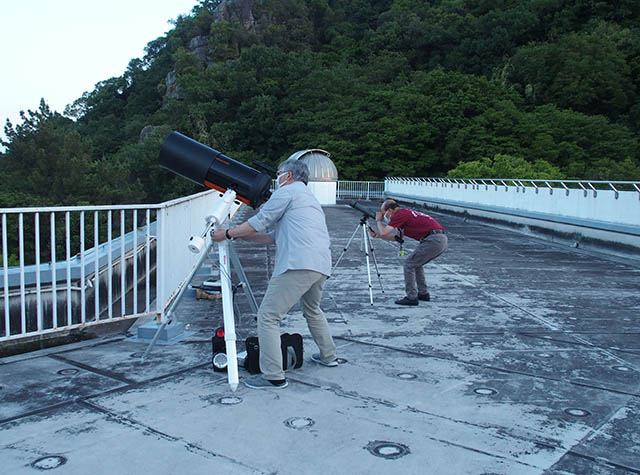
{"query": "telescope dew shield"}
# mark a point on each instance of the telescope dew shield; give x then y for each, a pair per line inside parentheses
(205, 166)
(362, 209)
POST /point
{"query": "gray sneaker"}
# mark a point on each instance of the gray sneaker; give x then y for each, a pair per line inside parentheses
(260, 382)
(317, 359)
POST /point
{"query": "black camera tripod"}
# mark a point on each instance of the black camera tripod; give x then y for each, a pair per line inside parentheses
(367, 247)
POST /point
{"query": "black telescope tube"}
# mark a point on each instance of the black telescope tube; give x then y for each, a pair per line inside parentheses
(206, 166)
(362, 209)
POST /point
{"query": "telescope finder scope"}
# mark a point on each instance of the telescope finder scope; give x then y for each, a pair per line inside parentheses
(206, 166)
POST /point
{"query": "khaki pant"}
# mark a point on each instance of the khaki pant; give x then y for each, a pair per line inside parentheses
(283, 292)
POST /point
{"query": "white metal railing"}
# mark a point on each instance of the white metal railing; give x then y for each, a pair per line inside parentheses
(364, 190)
(71, 282)
(604, 205)
(586, 186)
(87, 265)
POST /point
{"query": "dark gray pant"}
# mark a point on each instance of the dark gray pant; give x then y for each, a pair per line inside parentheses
(427, 250)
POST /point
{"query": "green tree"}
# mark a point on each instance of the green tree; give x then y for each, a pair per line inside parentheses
(47, 158)
(506, 166)
(583, 72)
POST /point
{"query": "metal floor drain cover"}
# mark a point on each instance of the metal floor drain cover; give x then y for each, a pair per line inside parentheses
(299, 422)
(407, 376)
(229, 400)
(485, 391)
(336, 320)
(49, 462)
(576, 412)
(622, 369)
(387, 450)
(68, 371)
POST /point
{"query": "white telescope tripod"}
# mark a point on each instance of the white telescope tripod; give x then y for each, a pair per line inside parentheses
(368, 247)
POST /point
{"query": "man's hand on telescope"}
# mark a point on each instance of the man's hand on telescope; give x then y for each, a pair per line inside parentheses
(219, 235)
(242, 231)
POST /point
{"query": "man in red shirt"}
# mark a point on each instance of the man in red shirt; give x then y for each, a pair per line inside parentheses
(422, 228)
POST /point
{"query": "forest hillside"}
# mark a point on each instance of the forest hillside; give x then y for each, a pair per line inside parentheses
(473, 88)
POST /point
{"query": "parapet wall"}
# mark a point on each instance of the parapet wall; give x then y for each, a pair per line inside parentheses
(608, 219)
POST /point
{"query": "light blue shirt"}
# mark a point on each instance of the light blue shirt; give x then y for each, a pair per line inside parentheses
(299, 229)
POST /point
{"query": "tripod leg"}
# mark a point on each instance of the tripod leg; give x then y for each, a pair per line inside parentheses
(366, 253)
(375, 262)
(246, 288)
(228, 315)
(345, 249)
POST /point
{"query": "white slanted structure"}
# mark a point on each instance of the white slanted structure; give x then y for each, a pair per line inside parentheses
(323, 174)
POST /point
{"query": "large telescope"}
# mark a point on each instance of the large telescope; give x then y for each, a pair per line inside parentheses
(235, 181)
(206, 166)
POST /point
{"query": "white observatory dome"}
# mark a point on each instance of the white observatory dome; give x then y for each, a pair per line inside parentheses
(321, 167)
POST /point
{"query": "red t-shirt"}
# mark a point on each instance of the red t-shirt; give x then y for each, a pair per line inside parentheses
(414, 224)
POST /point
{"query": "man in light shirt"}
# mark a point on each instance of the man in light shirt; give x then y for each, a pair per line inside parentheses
(292, 219)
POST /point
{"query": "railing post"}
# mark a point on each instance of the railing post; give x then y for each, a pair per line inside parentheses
(160, 265)
(615, 190)
(83, 306)
(134, 229)
(38, 277)
(5, 264)
(54, 279)
(96, 266)
(123, 266)
(110, 263)
(23, 303)
(67, 233)
(147, 262)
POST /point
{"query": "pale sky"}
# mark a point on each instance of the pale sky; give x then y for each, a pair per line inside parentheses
(59, 49)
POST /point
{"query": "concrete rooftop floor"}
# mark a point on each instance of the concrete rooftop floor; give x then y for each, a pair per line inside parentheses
(526, 361)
